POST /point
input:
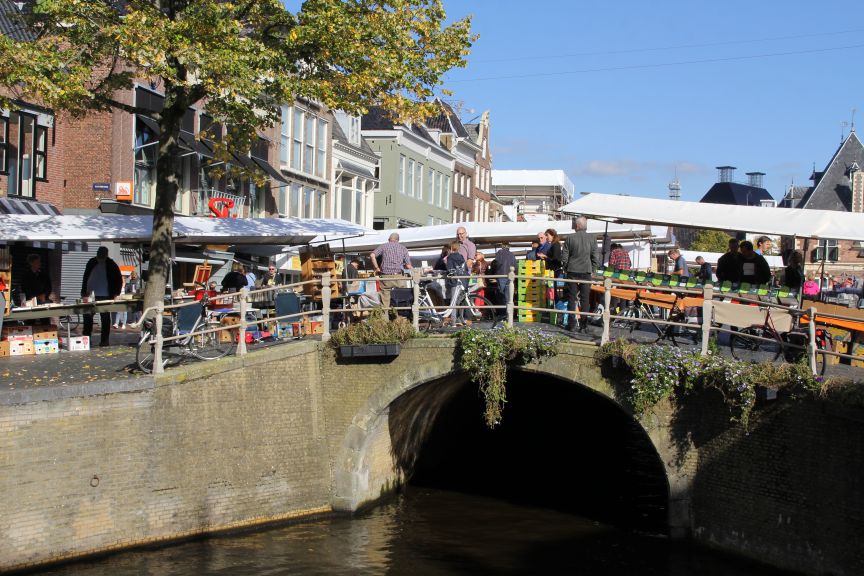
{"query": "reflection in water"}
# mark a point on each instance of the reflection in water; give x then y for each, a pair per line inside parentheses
(425, 532)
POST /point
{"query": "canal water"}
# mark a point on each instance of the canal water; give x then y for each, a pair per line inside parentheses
(426, 532)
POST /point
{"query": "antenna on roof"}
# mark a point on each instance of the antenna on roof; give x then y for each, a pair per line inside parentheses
(675, 187)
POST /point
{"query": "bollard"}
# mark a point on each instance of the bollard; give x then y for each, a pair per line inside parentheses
(511, 287)
(326, 293)
(607, 304)
(158, 367)
(415, 305)
(241, 335)
(707, 314)
(811, 345)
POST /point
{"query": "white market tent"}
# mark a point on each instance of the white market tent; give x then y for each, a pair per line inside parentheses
(487, 233)
(781, 221)
(187, 229)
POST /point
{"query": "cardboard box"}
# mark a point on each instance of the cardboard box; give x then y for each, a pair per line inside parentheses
(285, 330)
(44, 333)
(20, 347)
(232, 335)
(46, 346)
(18, 333)
(840, 334)
(4, 348)
(858, 350)
(76, 343)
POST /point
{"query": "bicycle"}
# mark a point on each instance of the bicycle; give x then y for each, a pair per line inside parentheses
(188, 322)
(69, 322)
(767, 343)
(635, 310)
(479, 308)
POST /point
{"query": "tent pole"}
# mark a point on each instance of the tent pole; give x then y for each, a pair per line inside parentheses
(605, 241)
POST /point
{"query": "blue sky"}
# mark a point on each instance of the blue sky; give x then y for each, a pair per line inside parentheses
(620, 94)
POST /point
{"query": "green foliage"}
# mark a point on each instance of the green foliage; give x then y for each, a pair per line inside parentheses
(485, 355)
(710, 241)
(665, 372)
(244, 59)
(376, 329)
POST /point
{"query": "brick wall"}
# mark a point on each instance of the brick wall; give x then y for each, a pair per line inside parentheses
(295, 430)
(229, 444)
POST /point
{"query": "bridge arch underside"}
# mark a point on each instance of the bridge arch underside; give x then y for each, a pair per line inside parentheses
(560, 445)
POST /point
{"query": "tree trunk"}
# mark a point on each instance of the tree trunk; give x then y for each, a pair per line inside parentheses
(169, 174)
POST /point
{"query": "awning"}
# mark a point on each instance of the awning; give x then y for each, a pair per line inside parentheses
(189, 142)
(150, 123)
(758, 219)
(24, 206)
(356, 169)
(187, 229)
(486, 233)
(270, 170)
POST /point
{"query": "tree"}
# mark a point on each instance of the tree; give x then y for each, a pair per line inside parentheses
(242, 58)
(710, 241)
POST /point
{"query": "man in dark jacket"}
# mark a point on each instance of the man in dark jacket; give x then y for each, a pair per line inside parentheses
(727, 264)
(103, 279)
(752, 265)
(504, 260)
(579, 259)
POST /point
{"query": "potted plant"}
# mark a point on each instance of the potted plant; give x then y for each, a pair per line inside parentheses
(377, 336)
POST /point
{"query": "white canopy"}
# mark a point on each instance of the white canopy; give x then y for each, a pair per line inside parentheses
(485, 233)
(783, 221)
(187, 229)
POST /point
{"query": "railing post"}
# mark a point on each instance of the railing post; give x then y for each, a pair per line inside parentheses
(158, 368)
(415, 306)
(511, 288)
(707, 314)
(811, 345)
(241, 337)
(326, 293)
(607, 304)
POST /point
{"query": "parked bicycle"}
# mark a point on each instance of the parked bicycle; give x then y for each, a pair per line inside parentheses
(772, 343)
(479, 308)
(188, 322)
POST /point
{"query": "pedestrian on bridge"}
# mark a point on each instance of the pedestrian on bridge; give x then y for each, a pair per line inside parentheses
(394, 259)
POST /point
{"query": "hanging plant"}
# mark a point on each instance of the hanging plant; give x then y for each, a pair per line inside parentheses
(485, 355)
(659, 372)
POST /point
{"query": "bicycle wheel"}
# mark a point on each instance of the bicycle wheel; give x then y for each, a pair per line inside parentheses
(68, 323)
(208, 346)
(482, 310)
(144, 353)
(747, 345)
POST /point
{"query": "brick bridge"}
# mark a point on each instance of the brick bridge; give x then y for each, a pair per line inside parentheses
(294, 431)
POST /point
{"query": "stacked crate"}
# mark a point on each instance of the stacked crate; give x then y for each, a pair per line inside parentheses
(314, 262)
(531, 292)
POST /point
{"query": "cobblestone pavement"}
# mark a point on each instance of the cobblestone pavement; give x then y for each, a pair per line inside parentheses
(117, 361)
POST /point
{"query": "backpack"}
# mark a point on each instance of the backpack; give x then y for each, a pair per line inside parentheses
(811, 288)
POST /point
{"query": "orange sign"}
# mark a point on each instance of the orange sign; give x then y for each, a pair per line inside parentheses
(123, 191)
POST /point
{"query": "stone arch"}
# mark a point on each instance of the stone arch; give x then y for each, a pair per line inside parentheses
(365, 467)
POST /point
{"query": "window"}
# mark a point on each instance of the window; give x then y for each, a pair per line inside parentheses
(430, 186)
(321, 205)
(285, 137)
(40, 154)
(430, 220)
(4, 139)
(345, 199)
(832, 254)
(321, 160)
(358, 201)
(309, 203)
(309, 148)
(297, 147)
(409, 184)
(438, 183)
(446, 191)
(296, 196)
(282, 200)
(145, 164)
(418, 181)
(401, 174)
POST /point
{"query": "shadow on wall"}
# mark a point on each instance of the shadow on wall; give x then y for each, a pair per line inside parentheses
(560, 445)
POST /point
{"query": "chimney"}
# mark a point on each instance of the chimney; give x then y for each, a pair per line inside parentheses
(755, 179)
(725, 173)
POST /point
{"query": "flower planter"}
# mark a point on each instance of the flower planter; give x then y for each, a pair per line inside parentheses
(369, 350)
